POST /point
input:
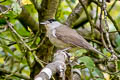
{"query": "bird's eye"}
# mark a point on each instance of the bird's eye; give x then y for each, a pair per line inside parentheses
(51, 20)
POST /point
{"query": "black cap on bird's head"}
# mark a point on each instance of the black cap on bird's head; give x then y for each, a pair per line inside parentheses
(48, 21)
(51, 20)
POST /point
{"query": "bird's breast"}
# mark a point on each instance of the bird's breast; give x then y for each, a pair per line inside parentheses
(56, 42)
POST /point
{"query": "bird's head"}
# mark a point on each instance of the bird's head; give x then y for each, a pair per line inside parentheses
(51, 23)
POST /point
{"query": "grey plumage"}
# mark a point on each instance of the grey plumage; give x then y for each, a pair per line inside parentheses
(63, 37)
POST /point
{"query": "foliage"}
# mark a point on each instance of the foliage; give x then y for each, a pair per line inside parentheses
(16, 44)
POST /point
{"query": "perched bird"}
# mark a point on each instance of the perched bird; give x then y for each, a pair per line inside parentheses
(63, 36)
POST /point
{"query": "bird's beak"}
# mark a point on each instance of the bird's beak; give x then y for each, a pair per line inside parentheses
(45, 22)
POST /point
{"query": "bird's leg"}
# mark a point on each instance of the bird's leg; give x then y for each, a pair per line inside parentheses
(65, 49)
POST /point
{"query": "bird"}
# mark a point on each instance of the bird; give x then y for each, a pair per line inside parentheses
(62, 36)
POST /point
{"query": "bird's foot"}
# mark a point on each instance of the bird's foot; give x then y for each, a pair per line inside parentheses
(64, 50)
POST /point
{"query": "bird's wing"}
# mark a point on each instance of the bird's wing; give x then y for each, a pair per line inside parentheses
(70, 36)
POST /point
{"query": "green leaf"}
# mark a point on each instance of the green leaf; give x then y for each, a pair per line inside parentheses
(97, 73)
(16, 8)
(118, 65)
(20, 29)
(6, 49)
(91, 66)
(118, 40)
(11, 14)
(80, 52)
(2, 21)
(7, 2)
(88, 62)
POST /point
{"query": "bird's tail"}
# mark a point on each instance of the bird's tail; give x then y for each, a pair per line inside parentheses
(97, 52)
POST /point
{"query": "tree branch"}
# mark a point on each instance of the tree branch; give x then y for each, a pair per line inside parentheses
(57, 66)
(108, 15)
(48, 9)
(76, 13)
(88, 16)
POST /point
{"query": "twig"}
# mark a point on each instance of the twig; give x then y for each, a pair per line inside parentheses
(6, 39)
(93, 40)
(3, 29)
(112, 73)
(76, 13)
(108, 15)
(68, 2)
(36, 36)
(2, 70)
(13, 42)
(39, 44)
(38, 60)
(114, 23)
(11, 27)
(11, 74)
(112, 5)
(89, 18)
(5, 11)
(107, 28)
(102, 31)
(113, 31)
